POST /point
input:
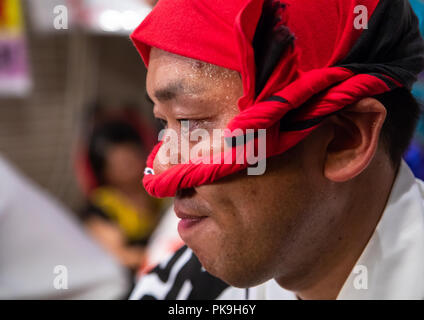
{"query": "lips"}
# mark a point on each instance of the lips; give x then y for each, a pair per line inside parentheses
(189, 215)
(189, 223)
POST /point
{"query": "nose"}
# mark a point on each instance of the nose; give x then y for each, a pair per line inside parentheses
(185, 193)
(169, 154)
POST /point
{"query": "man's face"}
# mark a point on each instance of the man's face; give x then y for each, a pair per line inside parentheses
(254, 228)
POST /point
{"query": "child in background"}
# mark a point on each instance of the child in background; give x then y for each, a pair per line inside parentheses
(119, 213)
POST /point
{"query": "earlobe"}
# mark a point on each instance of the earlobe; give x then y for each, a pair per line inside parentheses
(355, 140)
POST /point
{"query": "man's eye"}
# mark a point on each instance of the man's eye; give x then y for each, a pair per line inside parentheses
(192, 124)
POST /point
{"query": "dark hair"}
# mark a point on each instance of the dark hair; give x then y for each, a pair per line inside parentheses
(272, 39)
(403, 112)
(104, 136)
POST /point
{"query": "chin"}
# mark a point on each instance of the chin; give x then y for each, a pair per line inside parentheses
(231, 271)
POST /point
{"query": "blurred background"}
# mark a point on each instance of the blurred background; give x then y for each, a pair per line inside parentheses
(75, 130)
(57, 74)
(73, 112)
(415, 155)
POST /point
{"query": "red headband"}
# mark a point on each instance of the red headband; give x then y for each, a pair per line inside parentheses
(331, 64)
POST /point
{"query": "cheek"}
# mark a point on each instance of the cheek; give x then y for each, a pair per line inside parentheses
(251, 219)
(226, 200)
(246, 210)
(247, 198)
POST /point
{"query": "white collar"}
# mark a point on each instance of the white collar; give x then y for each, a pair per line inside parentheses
(394, 256)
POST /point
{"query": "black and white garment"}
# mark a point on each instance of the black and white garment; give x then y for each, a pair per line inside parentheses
(182, 277)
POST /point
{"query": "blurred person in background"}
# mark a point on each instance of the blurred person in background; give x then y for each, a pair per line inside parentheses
(44, 252)
(119, 213)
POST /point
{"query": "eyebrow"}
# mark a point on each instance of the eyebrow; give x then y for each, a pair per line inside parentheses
(174, 89)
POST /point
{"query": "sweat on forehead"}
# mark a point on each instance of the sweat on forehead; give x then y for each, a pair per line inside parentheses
(196, 66)
(171, 75)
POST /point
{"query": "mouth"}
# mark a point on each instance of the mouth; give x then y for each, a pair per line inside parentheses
(190, 219)
(186, 224)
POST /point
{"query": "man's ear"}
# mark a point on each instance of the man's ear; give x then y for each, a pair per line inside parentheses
(355, 140)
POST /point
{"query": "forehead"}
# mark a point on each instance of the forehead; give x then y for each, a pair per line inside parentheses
(167, 68)
(163, 59)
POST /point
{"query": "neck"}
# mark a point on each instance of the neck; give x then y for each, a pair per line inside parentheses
(368, 197)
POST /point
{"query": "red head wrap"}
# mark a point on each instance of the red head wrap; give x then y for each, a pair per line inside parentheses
(308, 64)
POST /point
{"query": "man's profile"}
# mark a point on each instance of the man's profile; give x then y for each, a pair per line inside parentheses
(337, 201)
